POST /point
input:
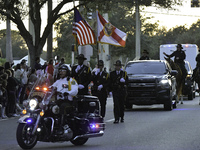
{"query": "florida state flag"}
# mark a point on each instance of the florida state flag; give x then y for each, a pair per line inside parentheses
(109, 34)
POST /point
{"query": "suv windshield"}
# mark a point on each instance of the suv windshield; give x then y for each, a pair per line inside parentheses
(146, 68)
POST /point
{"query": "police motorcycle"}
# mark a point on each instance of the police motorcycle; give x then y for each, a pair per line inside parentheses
(41, 120)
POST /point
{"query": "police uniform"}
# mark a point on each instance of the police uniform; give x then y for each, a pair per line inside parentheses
(101, 82)
(71, 88)
(119, 92)
(82, 74)
(66, 88)
(145, 57)
(179, 57)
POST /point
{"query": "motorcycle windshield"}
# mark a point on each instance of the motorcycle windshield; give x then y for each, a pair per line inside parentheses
(40, 90)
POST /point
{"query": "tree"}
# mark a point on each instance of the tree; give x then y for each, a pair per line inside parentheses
(18, 11)
(18, 44)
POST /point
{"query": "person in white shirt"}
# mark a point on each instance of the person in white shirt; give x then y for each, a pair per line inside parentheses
(24, 80)
(66, 88)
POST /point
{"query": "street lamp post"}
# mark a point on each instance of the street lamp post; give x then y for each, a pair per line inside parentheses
(137, 47)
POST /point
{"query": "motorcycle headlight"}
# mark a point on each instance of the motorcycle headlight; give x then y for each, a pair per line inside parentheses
(33, 103)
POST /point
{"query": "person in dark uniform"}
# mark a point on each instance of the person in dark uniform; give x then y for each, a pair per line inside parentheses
(196, 71)
(198, 59)
(82, 74)
(179, 57)
(145, 55)
(101, 82)
(118, 82)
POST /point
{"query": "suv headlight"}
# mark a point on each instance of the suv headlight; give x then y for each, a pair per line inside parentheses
(165, 83)
(33, 103)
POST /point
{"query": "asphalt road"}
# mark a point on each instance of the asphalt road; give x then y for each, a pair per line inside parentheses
(145, 128)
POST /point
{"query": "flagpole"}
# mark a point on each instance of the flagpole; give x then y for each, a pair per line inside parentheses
(76, 41)
(97, 38)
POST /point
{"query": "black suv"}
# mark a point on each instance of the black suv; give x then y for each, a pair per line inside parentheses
(151, 82)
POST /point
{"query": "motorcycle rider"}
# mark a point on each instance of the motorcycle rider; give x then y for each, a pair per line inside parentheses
(66, 88)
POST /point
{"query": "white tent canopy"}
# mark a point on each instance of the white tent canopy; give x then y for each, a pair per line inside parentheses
(42, 61)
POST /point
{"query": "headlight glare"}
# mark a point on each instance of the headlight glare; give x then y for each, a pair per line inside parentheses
(33, 103)
(164, 81)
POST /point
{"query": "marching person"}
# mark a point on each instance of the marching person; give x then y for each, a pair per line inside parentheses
(196, 71)
(119, 81)
(179, 57)
(145, 55)
(82, 74)
(66, 88)
(101, 82)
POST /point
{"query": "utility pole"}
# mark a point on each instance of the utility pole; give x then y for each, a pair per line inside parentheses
(9, 56)
(50, 37)
(137, 47)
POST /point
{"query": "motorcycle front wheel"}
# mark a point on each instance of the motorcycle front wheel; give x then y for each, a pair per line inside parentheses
(79, 141)
(24, 137)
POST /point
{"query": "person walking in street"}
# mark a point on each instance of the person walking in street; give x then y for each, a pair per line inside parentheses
(145, 55)
(119, 81)
(82, 74)
(101, 82)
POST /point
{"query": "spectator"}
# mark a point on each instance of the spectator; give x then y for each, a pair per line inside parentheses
(3, 85)
(45, 66)
(50, 70)
(11, 91)
(31, 80)
(57, 65)
(38, 66)
(18, 72)
(7, 65)
(24, 81)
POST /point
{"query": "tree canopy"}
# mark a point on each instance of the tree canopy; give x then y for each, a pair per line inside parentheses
(17, 10)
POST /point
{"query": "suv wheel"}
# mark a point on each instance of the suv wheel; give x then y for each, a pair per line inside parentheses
(168, 104)
(191, 95)
(128, 106)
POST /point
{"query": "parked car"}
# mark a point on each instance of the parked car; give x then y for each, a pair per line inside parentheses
(189, 87)
(151, 82)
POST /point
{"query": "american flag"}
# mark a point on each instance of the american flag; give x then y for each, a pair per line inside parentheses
(82, 30)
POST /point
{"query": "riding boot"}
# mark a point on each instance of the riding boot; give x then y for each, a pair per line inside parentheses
(3, 116)
(18, 108)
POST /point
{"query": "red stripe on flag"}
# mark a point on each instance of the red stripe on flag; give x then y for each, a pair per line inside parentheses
(102, 20)
(118, 39)
(101, 35)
